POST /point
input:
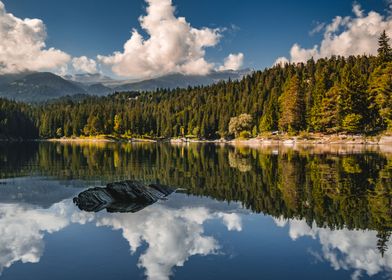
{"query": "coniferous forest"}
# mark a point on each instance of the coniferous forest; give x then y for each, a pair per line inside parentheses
(338, 94)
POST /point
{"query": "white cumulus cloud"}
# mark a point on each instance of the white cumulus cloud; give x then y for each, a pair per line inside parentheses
(233, 62)
(84, 64)
(172, 46)
(281, 61)
(344, 249)
(173, 234)
(177, 231)
(350, 35)
(22, 45)
(22, 229)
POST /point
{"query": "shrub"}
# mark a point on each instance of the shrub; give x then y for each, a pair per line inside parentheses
(245, 134)
(352, 123)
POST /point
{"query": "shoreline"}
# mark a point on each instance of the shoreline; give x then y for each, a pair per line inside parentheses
(259, 141)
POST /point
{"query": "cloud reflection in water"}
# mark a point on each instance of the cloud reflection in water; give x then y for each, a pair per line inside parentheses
(344, 249)
(172, 234)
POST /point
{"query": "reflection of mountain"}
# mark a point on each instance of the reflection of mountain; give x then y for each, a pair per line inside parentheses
(35, 191)
(126, 196)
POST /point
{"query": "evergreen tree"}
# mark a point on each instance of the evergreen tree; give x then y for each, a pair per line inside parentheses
(382, 242)
(380, 97)
(353, 101)
(384, 49)
(292, 106)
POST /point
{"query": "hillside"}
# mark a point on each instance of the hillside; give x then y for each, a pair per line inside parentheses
(181, 81)
(44, 86)
(36, 87)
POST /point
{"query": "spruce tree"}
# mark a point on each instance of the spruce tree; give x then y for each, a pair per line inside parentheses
(384, 49)
(292, 106)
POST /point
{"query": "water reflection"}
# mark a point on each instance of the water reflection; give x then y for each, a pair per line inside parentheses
(339, 196)
(172, 233)
(22, 228)
(344, 249)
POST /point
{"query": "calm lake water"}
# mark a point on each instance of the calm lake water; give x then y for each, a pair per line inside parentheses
(240, 213)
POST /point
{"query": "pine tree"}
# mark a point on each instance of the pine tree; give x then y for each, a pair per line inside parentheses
(382, 242)
(327, 117)
(292, 106)
(380, 97)
(384, 50)
(353, 101)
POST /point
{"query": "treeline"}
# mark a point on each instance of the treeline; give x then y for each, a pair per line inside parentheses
(338, 94)
(16, 121)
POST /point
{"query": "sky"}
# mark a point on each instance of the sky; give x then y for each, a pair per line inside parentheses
(140, 39)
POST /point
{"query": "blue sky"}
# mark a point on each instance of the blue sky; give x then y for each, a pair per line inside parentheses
(261, 30)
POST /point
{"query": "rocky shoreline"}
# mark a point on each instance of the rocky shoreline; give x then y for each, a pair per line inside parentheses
(288, 141)
(312, 139)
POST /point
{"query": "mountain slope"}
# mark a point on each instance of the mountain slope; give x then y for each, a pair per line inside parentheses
(90, 79)
(36, 87)
(44, 86)
(182, 81)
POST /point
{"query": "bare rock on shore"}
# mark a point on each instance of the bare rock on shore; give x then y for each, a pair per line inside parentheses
(386, 140)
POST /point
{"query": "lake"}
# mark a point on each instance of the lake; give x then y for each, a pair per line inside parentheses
(321, 212)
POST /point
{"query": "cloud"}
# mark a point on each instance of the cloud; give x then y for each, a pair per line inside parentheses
(281, 61)
(233, 62)
(22, 231)
(345, 249)
(350, 35)
(172, 46)
(232, 221)
(177, 231)
(22, 45)
(357, 10)
(317, 29)
(84, 64)
(173, 235)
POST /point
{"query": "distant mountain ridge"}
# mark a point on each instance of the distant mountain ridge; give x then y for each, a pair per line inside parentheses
(182, 81)
(38, 86)
(44, 86)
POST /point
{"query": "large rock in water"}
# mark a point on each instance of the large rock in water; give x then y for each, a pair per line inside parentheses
(126, 196)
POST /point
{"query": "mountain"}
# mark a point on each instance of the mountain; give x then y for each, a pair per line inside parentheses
(182, 81)
(99, 89)
(37, 87)
(8, 78)
(44, 86)
(90, 79)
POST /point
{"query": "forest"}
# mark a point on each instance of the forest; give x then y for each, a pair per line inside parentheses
(331, 95)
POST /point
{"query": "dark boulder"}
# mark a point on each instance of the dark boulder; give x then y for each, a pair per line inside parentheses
(126, 196)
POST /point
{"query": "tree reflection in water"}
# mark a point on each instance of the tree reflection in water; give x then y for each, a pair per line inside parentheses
(329, 191)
